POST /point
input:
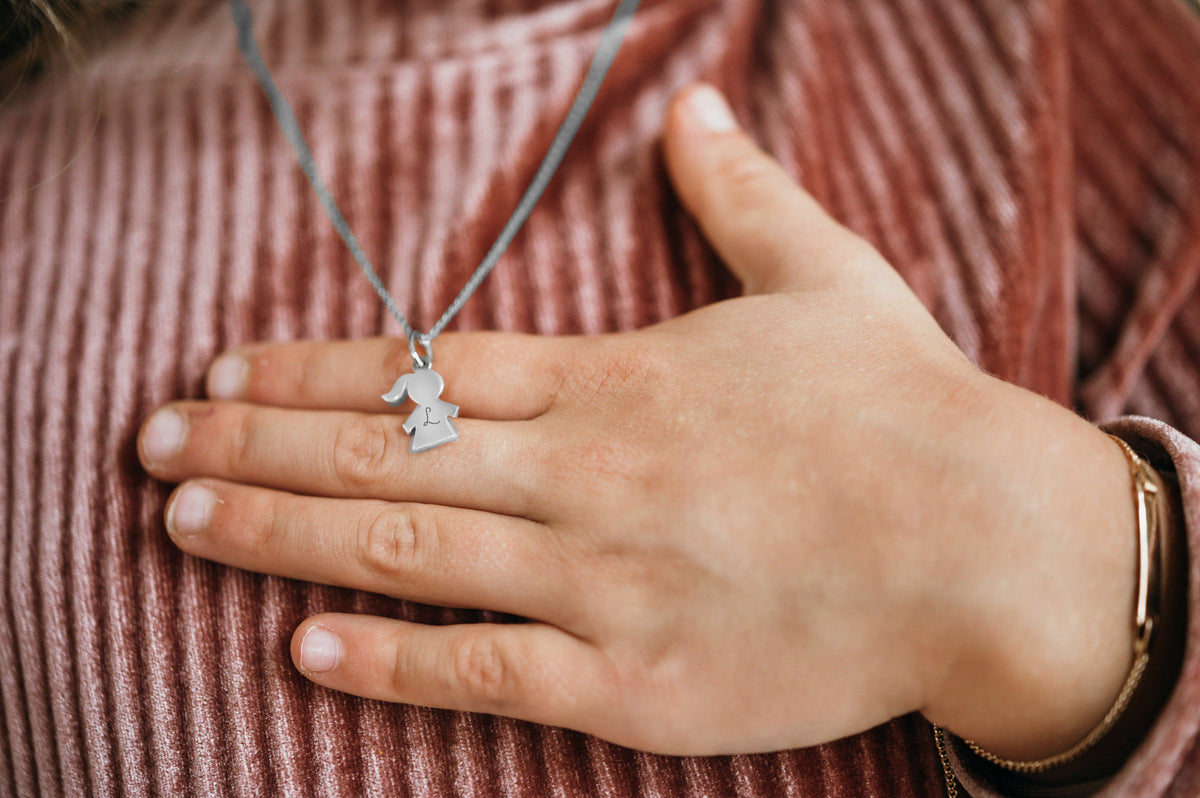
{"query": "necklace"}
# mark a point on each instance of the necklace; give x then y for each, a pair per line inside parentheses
(430, 424)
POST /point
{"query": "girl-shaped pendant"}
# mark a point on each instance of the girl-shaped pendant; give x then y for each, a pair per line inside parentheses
(430, 423)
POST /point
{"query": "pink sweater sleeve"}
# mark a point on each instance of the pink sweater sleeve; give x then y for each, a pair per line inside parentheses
(1167, 763)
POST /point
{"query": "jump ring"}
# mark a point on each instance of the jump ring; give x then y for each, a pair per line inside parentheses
(424, 340)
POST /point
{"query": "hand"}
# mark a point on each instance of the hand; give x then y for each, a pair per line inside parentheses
(769, 523)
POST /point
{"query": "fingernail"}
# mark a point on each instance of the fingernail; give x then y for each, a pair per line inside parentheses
(191, 511)
(320, 650)
(709, 109)
(164, 435)
(227, 380)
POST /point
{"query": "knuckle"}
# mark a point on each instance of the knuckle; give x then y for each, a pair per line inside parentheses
(361, 449)
(625, 371)
(482, 672)
(602, 470)
(601, 463)
(273, 528)
(404, 664)
(241, 443)
(560, 371)
(744, 178)
(617, 453)
(393, 542)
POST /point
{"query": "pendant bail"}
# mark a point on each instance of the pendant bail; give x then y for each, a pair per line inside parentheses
(419, 361)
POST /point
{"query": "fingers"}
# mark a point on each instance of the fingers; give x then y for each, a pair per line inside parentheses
(772, 234)
(428, 553)
(530, 671)
(493, 466)
(488, 374)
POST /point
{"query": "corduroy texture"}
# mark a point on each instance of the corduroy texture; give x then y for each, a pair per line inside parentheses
(1032, 169)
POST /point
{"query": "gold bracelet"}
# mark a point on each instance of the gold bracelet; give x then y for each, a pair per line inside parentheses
(1147, 494)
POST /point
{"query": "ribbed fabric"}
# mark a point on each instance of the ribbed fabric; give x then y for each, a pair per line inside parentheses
(1032, 169)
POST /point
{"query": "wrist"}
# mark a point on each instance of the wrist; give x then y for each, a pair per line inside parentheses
(1038, 633)
(1159, 654)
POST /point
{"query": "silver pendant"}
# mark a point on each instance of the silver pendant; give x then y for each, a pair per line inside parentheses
(430, 423)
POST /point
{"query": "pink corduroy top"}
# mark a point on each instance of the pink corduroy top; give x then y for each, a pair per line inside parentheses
(1031, 169)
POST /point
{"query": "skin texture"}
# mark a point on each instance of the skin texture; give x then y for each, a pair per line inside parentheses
(771, 522)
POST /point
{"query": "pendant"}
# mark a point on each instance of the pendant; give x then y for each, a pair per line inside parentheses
(430, 423)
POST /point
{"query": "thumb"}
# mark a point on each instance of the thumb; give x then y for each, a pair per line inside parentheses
(770, 232)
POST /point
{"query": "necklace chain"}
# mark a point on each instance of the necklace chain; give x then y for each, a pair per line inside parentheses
(606, 51)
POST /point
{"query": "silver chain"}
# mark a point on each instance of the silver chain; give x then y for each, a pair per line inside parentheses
(606, 51)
